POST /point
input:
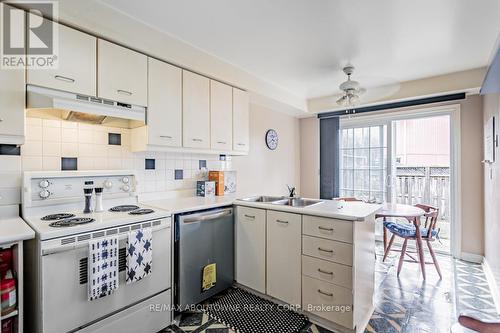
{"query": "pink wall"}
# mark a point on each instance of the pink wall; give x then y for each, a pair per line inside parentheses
(423, 141)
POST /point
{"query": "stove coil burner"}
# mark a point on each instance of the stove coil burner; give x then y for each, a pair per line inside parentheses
(60, 216)
(71, 222)
(142, 211)
(123, 208)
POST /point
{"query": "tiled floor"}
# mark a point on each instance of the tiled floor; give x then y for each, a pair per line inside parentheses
(406, 304)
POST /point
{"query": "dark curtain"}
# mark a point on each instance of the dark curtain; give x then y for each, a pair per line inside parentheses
(329, 143)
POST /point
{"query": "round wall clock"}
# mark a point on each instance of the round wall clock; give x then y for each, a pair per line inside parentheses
(272, 139)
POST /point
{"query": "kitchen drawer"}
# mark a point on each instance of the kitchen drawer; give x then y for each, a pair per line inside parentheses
(327, 271)
(338, 252)
(328, 301)
(328, 228)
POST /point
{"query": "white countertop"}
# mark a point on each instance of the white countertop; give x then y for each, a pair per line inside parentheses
(349, 210)
(356, 211)
(14, 229)
(187, 204)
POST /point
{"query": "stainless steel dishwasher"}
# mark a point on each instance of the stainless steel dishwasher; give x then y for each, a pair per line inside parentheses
(202, 238)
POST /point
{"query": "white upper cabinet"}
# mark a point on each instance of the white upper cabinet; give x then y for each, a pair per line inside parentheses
(76, 70)
(221, 116)
(164, 115)
(12, 106)
(196, 110)
(241, 120)
(122, 74)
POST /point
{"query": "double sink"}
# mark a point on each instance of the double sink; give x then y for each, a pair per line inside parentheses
(284, 201)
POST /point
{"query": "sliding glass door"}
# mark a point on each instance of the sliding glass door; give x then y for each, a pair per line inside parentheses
(365, 162)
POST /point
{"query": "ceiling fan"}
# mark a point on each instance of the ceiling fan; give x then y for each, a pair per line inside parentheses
(351, 89)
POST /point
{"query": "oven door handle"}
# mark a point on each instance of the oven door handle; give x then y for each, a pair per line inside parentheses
(70, 247)
(202, 217)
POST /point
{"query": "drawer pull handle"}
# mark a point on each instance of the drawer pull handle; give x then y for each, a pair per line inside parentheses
(64, 78)
(249, 216)
(326, 229)
(241, 144)
(326, 294)
(281, 221)
(166, 136)
(324, 272)
(124, 92)
(222, 142)
(197, 140)
(325, 250)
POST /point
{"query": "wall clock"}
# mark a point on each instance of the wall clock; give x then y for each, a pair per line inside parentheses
(271, 139)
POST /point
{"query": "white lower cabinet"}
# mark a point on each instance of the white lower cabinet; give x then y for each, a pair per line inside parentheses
(328, 301)
(327, 266)
(251, 248)
(284, 232)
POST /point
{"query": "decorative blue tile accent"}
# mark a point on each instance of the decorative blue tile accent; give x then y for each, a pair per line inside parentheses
(69, 163)
(202, 164)
(115, 139)
(150, 164)
(179, 174)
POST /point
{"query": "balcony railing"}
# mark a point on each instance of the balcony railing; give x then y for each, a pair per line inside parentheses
(425, 185)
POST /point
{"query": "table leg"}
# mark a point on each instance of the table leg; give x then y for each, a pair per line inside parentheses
(420, 248)
(385, 235)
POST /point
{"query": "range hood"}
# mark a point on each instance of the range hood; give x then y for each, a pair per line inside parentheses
(52, 103)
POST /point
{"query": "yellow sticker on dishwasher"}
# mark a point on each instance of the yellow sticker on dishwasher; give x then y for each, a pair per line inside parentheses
(209, 277)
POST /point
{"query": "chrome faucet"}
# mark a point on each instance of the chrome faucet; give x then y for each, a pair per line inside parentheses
(291, 191)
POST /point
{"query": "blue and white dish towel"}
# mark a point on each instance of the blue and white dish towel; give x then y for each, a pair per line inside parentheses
(139, 254)
(103, 267)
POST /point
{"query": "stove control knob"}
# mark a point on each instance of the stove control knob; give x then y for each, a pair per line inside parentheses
(125, 180)
(44, 183)
(44, 194)
(108, 184)
(126, 188)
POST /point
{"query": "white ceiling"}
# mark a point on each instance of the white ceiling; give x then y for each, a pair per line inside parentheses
(301, 45)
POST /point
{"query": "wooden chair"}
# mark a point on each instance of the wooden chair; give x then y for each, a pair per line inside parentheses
(468, 324)
(407, 230)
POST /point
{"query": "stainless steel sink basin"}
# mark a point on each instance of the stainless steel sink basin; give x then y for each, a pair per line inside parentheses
(262, 198)
(297, 202)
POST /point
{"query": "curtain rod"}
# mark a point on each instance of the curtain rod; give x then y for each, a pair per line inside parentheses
(394, 105)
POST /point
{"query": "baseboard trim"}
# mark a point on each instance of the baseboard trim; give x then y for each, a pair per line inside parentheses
(492, 284)
(472, 257)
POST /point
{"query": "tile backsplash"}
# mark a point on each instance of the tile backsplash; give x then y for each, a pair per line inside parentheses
(48, 142)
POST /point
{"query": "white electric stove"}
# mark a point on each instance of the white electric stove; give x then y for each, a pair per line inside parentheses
(53, 204)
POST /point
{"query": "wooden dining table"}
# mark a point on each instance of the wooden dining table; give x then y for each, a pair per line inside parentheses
(412, 214)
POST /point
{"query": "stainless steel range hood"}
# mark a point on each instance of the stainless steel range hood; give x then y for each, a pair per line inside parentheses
(50, 103)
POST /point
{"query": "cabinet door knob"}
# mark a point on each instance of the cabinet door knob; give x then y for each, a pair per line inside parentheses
(124, 92)
(64, 78)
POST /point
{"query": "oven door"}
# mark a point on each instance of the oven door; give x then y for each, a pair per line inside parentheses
(64, 285)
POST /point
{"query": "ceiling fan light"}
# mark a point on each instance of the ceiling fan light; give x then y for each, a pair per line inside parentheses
(343, 101)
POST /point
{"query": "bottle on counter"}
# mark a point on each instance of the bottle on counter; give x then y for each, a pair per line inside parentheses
(88, 200)
(98, 199)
